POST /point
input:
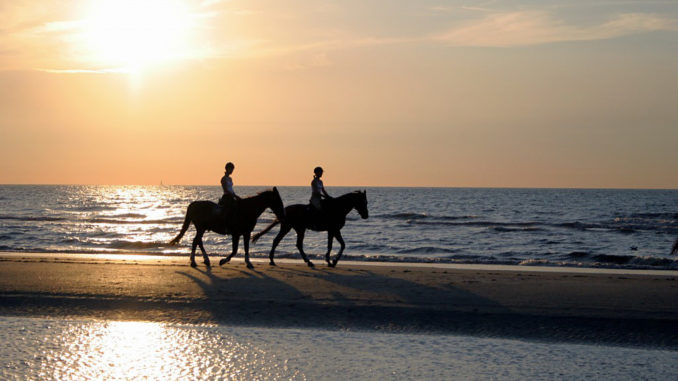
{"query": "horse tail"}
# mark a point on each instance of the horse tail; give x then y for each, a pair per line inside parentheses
(255, 237)
(187, 223)
(675, 247)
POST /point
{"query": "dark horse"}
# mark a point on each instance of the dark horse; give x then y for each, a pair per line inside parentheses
(674, 250)
(206, 215)
(333, 217)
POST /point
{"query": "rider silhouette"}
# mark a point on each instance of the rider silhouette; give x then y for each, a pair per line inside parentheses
(318, 192)
(229, 199)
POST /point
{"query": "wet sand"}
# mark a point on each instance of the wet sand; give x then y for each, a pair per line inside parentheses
(632, 308)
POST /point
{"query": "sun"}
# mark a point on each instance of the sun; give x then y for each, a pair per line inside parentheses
(132, 35)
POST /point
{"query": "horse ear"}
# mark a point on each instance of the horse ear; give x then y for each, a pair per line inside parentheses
(275, 189)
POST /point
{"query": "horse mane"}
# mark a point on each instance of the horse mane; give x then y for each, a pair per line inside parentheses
(353, 193)
(259, 193)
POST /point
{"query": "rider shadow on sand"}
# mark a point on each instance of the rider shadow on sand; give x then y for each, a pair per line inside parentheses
(248, 298)
(286, 297)
(363, 299)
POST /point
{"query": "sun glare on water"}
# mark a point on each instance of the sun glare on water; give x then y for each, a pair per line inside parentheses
(132, 35)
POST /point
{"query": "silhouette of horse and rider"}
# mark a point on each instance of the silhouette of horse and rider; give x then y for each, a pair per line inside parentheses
(237, 217)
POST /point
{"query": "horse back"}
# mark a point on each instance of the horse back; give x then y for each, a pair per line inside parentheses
(302, 215)
(202, 213)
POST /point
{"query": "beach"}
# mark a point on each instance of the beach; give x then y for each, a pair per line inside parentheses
(592, 306)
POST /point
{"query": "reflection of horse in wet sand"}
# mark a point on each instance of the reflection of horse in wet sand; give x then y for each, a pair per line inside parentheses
(331, 219)
(207, 215)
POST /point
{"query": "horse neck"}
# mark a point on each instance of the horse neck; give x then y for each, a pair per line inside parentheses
(257, 203)
(346, 203)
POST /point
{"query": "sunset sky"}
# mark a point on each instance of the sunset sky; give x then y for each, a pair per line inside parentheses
(577, 93)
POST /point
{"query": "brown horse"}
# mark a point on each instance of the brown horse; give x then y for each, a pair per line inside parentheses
(331, 219)
(207, 215)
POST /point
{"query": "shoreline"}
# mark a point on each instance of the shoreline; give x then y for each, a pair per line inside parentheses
(183, 258)
(594, 306)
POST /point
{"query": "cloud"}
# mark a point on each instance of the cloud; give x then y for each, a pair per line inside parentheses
(86, 71)
(540, 27)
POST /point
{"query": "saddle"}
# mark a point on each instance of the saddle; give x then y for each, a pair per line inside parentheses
(314, 216)
(219, 214)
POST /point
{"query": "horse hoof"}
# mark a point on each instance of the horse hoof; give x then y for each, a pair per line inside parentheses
(271, 263)
(249, 266)
(208, 264)
(194, 265)
(310, 264)
(334, 263)
(221, 262)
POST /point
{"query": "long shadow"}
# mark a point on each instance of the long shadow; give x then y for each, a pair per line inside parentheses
(494, 320)
(251, 299)
(366, 300)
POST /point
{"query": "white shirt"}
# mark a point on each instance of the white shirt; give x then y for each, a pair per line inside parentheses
(317, 186)
(227, 185)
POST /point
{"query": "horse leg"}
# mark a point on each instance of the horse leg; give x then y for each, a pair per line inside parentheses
(284, 229)
(197, 240)
(330, 238)
(235, 239)
(300, 245)
(246, 243)
(205, 258)
(337, 234)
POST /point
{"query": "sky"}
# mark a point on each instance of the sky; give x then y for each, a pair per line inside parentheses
(379, 93)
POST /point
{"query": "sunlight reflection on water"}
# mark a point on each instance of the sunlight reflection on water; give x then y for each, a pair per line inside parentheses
(140, 350)
(54, 349)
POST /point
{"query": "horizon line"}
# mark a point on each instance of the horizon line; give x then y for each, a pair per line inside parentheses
(352, 186)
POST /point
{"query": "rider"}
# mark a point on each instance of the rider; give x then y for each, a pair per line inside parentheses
(318, 192)
(228, 200)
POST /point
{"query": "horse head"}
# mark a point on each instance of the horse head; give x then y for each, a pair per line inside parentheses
(276, 204)
(360, 203)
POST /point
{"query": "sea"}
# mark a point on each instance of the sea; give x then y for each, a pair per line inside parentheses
(606, 228)
(589, 228)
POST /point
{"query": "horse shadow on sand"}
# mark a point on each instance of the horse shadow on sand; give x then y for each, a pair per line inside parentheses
(348, 299)
(361, 299)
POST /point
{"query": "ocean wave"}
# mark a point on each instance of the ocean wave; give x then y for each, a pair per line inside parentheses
(426, 250)
(506, 229)
(111, 221)
(667, 216)
(31, 218)
(96, 220)
(402, 216)
(126, 215)
(133, 245)
(408, 216)
(367, 247)
(630, 261)
(578, 225)
(610, 258)
(579, 254)
(635, 263)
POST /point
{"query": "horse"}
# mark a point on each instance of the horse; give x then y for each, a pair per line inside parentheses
(207, 215)
(674, 250)
(331, 219)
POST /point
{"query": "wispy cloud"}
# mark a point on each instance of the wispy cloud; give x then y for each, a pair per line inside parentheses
(540, 27)
(86, 71)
